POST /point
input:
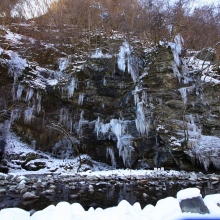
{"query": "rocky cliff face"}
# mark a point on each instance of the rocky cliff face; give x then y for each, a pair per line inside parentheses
(125, 106)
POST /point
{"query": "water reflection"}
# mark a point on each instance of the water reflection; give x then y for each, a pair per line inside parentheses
(107, 195)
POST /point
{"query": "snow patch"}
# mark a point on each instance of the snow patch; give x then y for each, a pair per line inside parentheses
(188, 194)
(98, 54)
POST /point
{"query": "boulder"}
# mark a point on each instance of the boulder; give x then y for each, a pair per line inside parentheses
(29, 196)
(206, 54)
(190, 200)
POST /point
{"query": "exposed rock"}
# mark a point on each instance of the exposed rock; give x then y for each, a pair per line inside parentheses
(50, 191)
(29, 196)
(2, 177)
(74, 196)
(206, 54)
(194, 205)
(2, 191)
(190, 200)
(150, 113)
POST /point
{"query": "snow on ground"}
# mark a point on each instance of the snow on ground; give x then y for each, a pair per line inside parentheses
(208, 75)
(188, 193)
(98, 54)
(165, 209)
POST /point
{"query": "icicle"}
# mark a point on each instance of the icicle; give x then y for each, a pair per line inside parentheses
(110, 153)
(19, 91)
(80, 100)
(184, 91)
(81, 122)
(133, 68)
(71, 87)
(121, 85)
(29, 94)
(33, 144)
(39, 96)
(87, 84)
(28, 113)
(104, 81)
(65, 119)
(97, 126)
(183, 94)
(117, 127)
(125, 58)
(136, 95)
(177, 48)
(142, 124)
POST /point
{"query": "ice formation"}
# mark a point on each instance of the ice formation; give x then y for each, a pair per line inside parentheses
(141, 121)
(15, 115)
(29, 94)
(81, 97)
(110, 153)
(206, 151)
(71, 88)
(28, 113)
(104, 81)
(126, 59)
(124, 141)
(16, 65)
(19, 91)
(184, 91)
(63, 63)
(65, 119)
(80, 124)
(63, 149)
(124, 52)
(176, 48)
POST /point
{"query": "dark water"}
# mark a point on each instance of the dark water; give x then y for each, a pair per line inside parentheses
(107, 195)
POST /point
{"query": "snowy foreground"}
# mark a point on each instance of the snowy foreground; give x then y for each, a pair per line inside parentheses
(165, 209)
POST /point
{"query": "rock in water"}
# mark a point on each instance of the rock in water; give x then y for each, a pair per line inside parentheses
(29, 196)
(190, 200)
(194, 205)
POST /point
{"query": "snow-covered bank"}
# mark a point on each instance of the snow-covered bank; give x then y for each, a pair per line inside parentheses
(168, 208)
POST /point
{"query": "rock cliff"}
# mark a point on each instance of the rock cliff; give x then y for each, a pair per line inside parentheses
(123, 103)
